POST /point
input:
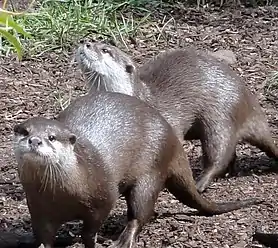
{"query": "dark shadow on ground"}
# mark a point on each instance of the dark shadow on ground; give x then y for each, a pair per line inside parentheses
(244, 166)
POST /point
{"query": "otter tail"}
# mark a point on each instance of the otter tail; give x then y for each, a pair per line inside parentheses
(268, 239)
(181, 184)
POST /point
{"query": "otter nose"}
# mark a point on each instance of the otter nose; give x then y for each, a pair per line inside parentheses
(84, 41)
(35, 141)
(88, 44)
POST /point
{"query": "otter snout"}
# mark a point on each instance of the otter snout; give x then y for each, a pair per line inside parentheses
(86, 55)
(86, 43)
(34, 142)
(86, 40)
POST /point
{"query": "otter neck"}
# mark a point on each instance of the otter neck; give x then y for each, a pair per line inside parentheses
(53, 177)
(112, 83)
(131, 85)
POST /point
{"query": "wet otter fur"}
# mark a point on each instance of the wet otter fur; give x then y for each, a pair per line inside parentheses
(101, 146)
(199, 95)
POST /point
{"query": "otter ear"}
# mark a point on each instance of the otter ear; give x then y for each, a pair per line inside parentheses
(129, 69)
(72, 139)
(20, 129)
(16, 128)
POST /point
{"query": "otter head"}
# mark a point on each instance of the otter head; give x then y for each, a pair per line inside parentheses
(106, 67)
(44, 148)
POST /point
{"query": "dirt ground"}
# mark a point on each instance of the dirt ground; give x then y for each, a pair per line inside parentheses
(36, 87)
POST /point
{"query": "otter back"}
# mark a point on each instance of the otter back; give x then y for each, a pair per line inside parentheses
(199, 95)
(101, 146)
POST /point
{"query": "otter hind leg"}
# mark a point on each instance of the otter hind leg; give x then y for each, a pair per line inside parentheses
(219, 153)
(257, 133)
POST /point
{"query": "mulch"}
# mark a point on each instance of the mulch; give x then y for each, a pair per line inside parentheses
(40, 86)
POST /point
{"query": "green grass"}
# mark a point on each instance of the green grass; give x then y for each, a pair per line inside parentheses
(272, 82)
(9, 31)
(60, 24)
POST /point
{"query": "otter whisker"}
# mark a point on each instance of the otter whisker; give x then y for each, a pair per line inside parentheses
(91, 75)
(92, 79)
(60, 174)
(42, 188)
(92, 83)
(54, 177)
(48, 181)
(98, 83)
(45, 179)
(42, 181)
(51, 178)
(52, 182)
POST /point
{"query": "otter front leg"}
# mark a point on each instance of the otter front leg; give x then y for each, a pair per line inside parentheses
(89, 233)
(93, 219)
(44, 231)
(140, 207)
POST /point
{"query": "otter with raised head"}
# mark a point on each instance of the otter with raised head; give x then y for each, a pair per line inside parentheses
(200, 96)
(103, 145)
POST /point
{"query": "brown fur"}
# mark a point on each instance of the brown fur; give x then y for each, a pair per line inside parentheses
(200, 96)
(114, 144)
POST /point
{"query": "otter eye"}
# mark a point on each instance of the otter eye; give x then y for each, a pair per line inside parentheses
(129, 69)
(51, 137)
(104, 50)
(18, 129)
(72, 139)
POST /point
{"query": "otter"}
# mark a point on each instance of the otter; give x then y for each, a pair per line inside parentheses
(101, 146)
(199, 95)
(267, 239)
